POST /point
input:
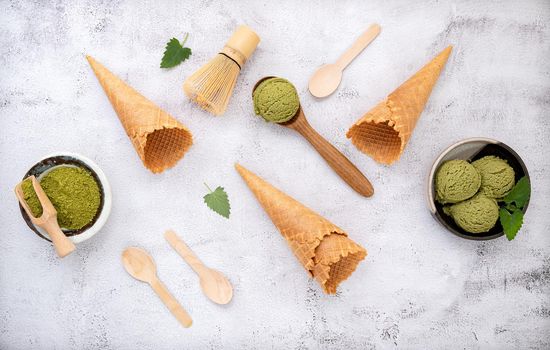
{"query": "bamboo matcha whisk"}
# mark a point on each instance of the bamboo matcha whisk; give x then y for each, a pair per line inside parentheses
(212, 85)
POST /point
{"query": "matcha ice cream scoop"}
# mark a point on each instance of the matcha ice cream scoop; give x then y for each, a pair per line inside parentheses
(455, 181)
(475, 215)
(276, 100)
(497, 177)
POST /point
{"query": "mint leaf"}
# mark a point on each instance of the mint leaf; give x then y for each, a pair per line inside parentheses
(519, 194)
(511, 223)
(175, 53)
(218, 201)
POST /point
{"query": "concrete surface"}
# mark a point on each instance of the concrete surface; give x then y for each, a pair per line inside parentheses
(419, 288)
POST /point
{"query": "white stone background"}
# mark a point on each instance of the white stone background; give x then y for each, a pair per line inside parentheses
(419, 288)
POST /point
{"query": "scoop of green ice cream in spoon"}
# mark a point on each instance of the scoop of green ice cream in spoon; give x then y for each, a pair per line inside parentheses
(276, 100)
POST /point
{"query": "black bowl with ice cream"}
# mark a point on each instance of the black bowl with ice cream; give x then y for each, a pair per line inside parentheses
(471, 150)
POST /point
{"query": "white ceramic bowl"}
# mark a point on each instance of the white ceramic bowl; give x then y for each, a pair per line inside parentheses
(51, 161)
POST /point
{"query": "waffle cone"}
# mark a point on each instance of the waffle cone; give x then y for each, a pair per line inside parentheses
(322, 248)
(385, 130)
(159, 139)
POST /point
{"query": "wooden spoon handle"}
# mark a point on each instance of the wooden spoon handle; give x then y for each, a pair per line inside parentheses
(359, 45)
(63, 245)
(171, 303)
(337, 161)
(48, 220)
(185, 252)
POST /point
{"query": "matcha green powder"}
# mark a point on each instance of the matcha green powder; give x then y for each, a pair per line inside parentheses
(73, 192)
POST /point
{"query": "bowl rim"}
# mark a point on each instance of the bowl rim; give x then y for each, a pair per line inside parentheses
(107, 200)
(430, 195)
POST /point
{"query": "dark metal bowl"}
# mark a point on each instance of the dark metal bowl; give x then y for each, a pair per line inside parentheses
(472, 149)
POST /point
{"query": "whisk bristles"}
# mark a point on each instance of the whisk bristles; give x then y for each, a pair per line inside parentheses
(212, 85)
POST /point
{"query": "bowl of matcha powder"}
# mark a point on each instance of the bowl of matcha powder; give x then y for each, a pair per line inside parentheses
(77, 188)
(479, 189)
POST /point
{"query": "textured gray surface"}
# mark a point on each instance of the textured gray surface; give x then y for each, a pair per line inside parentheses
(420, 287)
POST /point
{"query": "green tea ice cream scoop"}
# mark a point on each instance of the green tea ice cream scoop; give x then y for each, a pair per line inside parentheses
(497, 177)
(276, 100)
(475, 215)
(455, 181)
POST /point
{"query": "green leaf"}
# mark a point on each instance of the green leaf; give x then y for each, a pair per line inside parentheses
(511, 223)
(519, 194)
(510, 207)
(218, 201)
(175, 53)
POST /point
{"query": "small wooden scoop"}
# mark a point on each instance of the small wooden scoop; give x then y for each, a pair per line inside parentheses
(214, 285)
(141, 266)
(327, 78)
(48, 220)
(337, 161)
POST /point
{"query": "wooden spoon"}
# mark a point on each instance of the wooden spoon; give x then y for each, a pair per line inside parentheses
(337, 161)
(141, 266)
(48, 220)
(327, 78)
(214, 285)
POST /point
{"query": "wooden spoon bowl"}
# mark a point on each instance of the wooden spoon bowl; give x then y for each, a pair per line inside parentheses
(213, 283)
(141, 266)
(327, 78)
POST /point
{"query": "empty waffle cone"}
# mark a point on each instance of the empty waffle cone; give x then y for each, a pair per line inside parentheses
(385, 130)
(159, 139)
(321, 247)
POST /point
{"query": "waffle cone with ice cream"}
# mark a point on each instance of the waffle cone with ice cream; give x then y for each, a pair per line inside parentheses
(322, 248)
(159, 139)
(385, 130)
